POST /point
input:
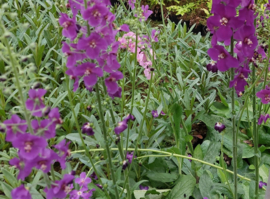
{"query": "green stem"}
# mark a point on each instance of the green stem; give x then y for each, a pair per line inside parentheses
(52, 172)
(18, 85)
(106, 140)
(168, 155)
(80, 133)
(234, 131)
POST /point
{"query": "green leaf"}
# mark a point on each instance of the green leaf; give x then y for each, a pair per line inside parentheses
(162, 177)
(205, 184)
(6, 189)
(59, 99)
(9, 178)
(198, 154)
(264, 172)
(184, 188)
(212, 152)
(223, 189)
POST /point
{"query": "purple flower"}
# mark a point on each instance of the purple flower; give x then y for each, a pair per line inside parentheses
(95, 15)
(248, 42)
(35, 102)
(69, 25)
(83, 180)
(29, 145)
(87, 129)
(155, 113)
(75, 6)
(121, 126)
(263, 118)
(82, 193)
(224, 60)
(45, 128)
(99, 186)
(20, 193)
(92, 45)
(264, 95)
(72, 56)
(60, 189)
(14, 126)
(129, 117)
(111, 82)
(54, 115)
(63, 152)
(146, 13)
(24, 166)
(131, 3)
(94, 176)
(261, 184)
(219, 126)
(239, 81)
(124, 28)
(212, 66)
(71, 73)
(129, 157)
(189, 155)
(125, 165)
(90, 73)
(44, 161)
(154, 34)
(116, 94)
(143, 187)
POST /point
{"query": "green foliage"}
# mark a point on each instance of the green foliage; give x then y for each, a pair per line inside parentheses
(181, 10)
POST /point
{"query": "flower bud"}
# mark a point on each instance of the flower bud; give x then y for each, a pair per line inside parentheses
(219, 127)
(89, 108)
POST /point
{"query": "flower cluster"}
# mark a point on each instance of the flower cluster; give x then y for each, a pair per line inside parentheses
(155, 113)
(226, 25)
(263, 118)
(121, 126)
(31, 141)
(92, 50)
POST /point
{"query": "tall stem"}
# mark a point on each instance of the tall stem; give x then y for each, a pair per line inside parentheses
(234, 131)
(80, 133)
(106, 140)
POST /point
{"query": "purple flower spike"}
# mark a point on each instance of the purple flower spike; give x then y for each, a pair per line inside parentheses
(35, 102)
(111, 82)
(143, 187)
(83, 180)
(60, 189)
(264, 95)
(64, 152)
(24, 166)
(90, 73)
(45, 128)
(14, 126)
(121, 126)
(92, 45)
(261, 184)
(69, 25)
(87, 129)
(96, 14)
(29, 145)
(263, 118)
(224, 60)
(219, 126)
(20, 193)
(129, 157)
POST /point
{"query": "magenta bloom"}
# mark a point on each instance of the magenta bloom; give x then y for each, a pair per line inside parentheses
(63, 152)
(72, 56)
(125, 165)
(146, 13)
(264, 95)
(92, 44)
(155, 113)
(24, 166)
(90, 73)
(224, 60)
(239, 81)
(121, 126)
(261, 184)
(44, 161)
(14, 126)
(129, 117)
(131, 3)
(212, 66)
(54, 115)
(20, 193)
(71, 73)
(61, 189)
(46, 128)
(83, 180)
(154, 34)
(35, 102)
(143, 187)
(29, 145)
(130, 157)
(248, 42)
(82, 193)
(69, 25)
(263, 118)
(87, 129)
(124, 28)
(75, 6)
(96, 14)
(116, 94)
(219, 127)
(111, 82)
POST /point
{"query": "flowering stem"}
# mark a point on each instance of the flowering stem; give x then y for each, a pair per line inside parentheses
(80, 133)
(168, 154)
(234, 131)
(106, 141)
(122, 3)
(17, 83)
